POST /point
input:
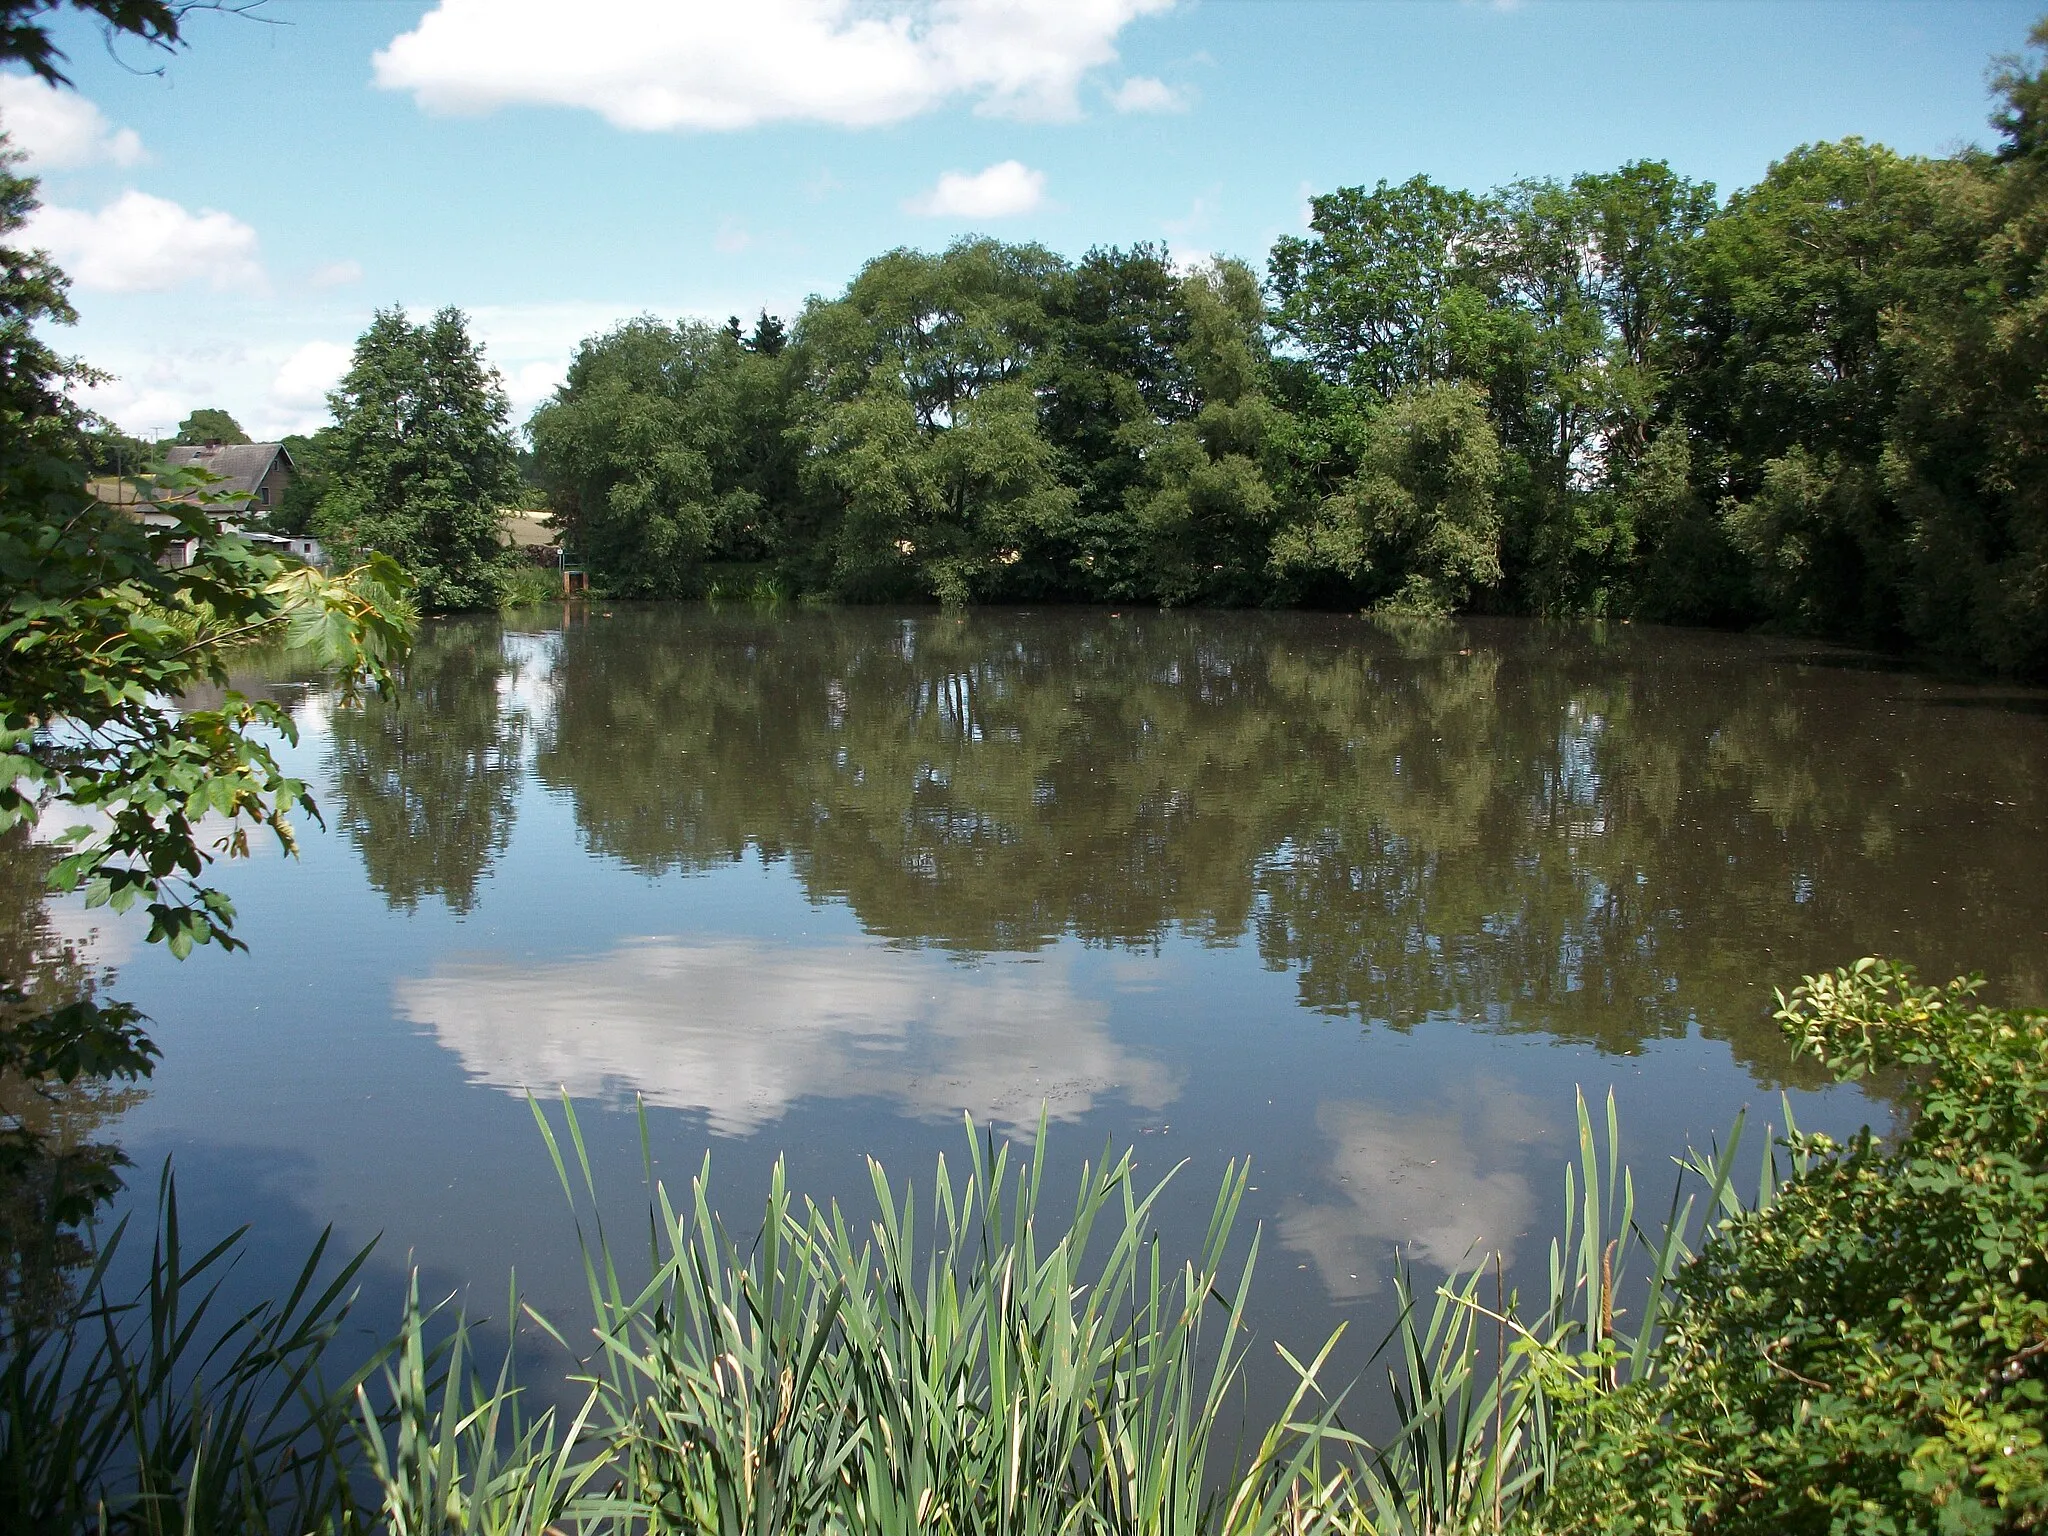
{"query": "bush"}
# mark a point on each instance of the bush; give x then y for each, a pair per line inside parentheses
(528, 586)
(1868, 1352)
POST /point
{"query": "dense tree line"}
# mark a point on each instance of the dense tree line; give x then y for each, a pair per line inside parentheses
(1811, 405)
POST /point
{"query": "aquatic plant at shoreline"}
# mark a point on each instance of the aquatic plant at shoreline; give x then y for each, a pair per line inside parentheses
(1857, 1344)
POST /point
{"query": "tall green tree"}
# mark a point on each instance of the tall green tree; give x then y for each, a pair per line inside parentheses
(1585, 310)
(1116, 368)
(925, 449)
(420, 458)
(1417, 526)
(668, 447)
(1375, 297)
(1203, 504)
(1967, 456)
(1795, 376)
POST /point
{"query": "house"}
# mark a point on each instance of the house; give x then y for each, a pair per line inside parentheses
(252, 477)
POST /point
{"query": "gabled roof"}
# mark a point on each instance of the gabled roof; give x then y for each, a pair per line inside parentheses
(241, 465)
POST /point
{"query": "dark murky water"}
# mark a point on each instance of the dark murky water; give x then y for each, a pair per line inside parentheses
(1364, 907)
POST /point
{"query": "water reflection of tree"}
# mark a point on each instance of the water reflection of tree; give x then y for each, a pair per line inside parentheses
(425, 785)
(1608, 838)
(66, 1157)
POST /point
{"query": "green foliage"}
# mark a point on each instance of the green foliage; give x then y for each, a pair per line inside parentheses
(420, 463)
(1811, 406)
(1377, 298)
(98, 630)
(209, 426)
(1859, 1346)
(1869, 1350)
(106, 450)
(667, 449)
(527, 586)
(1203, 503)
(1417, 520)
(1026, 1368)
(298, 508)
(98, 634)
(160, 1414)
(926, 459)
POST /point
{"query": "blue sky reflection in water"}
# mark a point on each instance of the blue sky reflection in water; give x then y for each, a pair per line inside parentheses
(1366, 906)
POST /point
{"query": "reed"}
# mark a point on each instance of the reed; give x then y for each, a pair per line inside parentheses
(160, 1414)
(1486, 1396)
(976, 1356)
(985, 1364)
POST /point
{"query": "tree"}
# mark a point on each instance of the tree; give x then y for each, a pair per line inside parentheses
(1203, 506)
(1376, 297)
(1114, 369)
(1794, 378)
(666, 448)
(926, 455)
(1416, 526)
(209, 426)
(420, 457)
(299, 507)
(1966, 458)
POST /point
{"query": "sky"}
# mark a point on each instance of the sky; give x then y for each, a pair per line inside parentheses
(232, 214)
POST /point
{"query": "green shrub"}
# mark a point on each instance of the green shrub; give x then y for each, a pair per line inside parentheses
(1868, 1352)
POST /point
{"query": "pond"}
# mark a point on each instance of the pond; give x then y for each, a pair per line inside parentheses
(1366, 906)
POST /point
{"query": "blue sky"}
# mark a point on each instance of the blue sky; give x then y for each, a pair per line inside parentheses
(550, 168)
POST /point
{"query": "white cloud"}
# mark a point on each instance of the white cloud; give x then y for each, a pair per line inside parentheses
(712, 64)
(336, 274)
(59, 130)
(144, 244)
(744, 1032)
(1002, 191)
(1143, 93)
(527, 385)
(308, 374)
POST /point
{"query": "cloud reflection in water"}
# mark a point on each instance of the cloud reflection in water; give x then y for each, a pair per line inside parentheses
(743, 1030)
(1428, 1183)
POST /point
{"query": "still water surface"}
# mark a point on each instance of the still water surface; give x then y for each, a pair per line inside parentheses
(1365, 907)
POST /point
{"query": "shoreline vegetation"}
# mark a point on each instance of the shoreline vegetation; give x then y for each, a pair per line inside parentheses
(1810, 1337)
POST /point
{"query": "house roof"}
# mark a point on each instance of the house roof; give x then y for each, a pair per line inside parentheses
(241, 465)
